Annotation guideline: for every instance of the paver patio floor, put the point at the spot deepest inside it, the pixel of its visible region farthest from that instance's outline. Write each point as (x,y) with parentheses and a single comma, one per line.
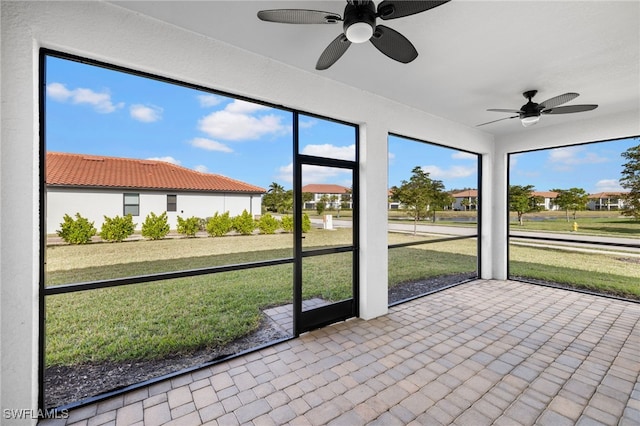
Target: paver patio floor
(485,352)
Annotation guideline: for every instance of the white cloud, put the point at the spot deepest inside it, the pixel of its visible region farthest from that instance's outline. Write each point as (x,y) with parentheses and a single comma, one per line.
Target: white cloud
(464,156)
(232,126)
(453,172)
(144,113)
(101,102)
(563,158)
(201,168)
(209,100)
(605,185)
(243,107)
(315,174)
(236,122)
(167,159)
(331,151)
(209,145)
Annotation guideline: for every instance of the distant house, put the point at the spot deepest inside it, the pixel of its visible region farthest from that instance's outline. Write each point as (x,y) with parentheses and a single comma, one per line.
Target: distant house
(548,199)
(465,200)
(606,201)
(336,195)
(98,186)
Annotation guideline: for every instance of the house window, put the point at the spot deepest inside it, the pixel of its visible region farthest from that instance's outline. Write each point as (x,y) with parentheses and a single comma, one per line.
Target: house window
(172,203)
(132,204)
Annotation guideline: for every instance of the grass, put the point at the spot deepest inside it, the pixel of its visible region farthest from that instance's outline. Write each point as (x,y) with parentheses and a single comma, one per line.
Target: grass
(613,226)
(617,274)
(178,316)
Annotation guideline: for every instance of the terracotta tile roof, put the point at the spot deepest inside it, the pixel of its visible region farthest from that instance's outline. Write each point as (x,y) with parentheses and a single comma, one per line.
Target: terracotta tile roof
(610,194)
(80,170)
(322,188)
(466,193)
(545,194)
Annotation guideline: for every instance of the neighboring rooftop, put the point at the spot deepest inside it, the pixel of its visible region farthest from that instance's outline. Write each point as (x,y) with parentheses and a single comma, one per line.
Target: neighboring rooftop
(322,188)
(608,194)
(80,170)
(466,193)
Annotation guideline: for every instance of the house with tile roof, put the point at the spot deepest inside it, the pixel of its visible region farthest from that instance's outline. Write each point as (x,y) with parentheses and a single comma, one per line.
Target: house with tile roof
(337,193)
(465,200)
(547,199)
(612,200)
(98,186)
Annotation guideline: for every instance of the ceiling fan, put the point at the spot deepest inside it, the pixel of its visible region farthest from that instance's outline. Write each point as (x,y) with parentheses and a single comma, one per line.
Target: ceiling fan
(359,26)
(530,112)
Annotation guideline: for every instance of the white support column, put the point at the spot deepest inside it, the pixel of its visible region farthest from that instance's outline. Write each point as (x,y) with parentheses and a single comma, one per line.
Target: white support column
(19,217)
(373,222)
(499,216)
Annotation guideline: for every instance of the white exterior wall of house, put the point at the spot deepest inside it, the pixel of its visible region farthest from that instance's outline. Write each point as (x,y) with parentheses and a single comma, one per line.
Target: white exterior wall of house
(317,197)
(94,204)
(458,203)
(547,204)
(106,32)
(612,203)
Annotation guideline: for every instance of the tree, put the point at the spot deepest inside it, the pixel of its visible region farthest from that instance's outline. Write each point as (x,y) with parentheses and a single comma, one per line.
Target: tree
(345,199)
(571,199)
(332,201)
(322,204)
(417,194)
(274,199)
(522,200)
(630,180)
(441,199)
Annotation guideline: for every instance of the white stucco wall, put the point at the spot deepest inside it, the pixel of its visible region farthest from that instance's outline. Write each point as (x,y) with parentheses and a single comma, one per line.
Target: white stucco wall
(94,204)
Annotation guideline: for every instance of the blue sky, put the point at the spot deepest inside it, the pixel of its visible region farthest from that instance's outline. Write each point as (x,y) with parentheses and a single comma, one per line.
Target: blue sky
(92,110)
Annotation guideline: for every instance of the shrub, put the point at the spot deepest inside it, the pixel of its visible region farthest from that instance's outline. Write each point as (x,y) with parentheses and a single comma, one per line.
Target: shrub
(268,224)
(320,207)
(155,227)
(219,224)
(306,223)
(244,223)
(188,226)
(78,231)
(117,229)
(287,223)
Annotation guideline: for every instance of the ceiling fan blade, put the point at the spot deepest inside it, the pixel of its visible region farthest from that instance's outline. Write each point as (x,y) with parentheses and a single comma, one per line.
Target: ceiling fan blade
(393,44)
(299,16)
(400,8)
(558,100)
(495,121)
(333,52)
(569,109)
(513,111)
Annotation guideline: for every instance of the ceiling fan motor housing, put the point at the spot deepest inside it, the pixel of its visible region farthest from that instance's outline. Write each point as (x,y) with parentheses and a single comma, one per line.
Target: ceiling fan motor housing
(359,21)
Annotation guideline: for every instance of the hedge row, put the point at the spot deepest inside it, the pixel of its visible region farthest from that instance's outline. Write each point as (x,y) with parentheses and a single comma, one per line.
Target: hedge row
(154,227)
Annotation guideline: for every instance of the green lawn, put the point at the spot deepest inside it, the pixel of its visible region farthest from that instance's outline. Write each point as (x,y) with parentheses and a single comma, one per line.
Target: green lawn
(181,315)
(613,226)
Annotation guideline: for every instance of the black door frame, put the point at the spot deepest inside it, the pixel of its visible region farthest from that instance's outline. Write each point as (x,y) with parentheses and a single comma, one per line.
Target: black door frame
(318,317)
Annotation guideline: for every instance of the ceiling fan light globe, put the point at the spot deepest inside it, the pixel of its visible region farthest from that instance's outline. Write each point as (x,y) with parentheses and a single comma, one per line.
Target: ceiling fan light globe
(359,32)
(530,121)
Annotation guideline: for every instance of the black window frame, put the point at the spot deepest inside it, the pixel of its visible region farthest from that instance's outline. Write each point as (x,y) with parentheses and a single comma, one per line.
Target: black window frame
(45,291)
(127,206)
(172,206)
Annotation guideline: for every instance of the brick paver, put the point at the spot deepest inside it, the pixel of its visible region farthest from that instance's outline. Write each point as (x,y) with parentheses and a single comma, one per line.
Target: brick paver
(486,352)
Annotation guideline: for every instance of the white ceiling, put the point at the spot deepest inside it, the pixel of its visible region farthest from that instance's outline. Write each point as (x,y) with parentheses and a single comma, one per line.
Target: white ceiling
(473,55)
